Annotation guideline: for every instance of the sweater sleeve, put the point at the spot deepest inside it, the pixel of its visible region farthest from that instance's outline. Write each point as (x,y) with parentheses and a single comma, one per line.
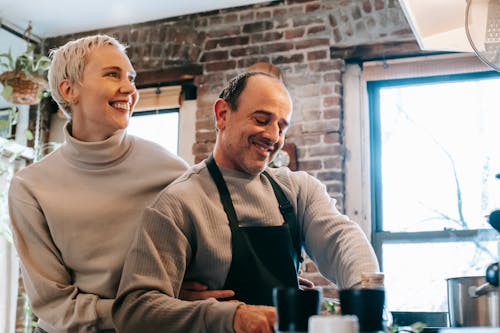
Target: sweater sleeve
(151,280)
(334,242)
(48,283)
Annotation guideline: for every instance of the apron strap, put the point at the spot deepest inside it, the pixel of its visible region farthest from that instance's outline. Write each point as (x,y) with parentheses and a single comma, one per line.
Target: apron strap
(285,206)
(288,213)
(223,192)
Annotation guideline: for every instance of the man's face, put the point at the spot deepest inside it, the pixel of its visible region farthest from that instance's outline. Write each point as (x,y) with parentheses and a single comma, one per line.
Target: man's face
(106,96)
(250,136)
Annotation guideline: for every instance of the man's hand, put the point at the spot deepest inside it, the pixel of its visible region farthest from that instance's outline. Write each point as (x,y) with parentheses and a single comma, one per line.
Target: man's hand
(305,283)
(195,291)
(254,319)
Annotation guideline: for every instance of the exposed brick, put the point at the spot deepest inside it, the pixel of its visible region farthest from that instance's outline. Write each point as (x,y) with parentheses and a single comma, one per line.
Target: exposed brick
(277,47)
(331,114)
(331,101)
(214,56)
(247,16)
(337,37)
(263,15)
(202,148)
(245,51)
(308,90)
(231,18)
(367,8)
(223,42)
(299,57)
(294,33)
(224,32)
(257,26)
(392,4)
(332,77)
(267,37)
(325,150)
(204,124)
(312,7)
(315,29)
(313,42)
(302,20)
(291,2)
(317,55)
(205,136)
(246,62)
(310,165)
(330,175)
(321,126)
(335,162)
(307,140)
(156,51)
(332,138)
(333,20)
(402,32)
(335,188)
(379,4)
(323,66)
(215,20)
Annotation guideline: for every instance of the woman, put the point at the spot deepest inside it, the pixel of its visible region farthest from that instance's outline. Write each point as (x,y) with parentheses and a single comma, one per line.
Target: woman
(75,212)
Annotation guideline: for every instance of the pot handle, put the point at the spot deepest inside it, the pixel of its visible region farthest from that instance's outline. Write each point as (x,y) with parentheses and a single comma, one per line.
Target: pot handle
(481,290)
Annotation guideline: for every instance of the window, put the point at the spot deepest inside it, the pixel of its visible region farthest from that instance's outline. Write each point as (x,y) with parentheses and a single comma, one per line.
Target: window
(434,156)
(160,126)
(162,115)
(407,122)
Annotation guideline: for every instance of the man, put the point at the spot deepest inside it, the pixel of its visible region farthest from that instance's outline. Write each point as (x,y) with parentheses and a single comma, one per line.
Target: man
(232,223)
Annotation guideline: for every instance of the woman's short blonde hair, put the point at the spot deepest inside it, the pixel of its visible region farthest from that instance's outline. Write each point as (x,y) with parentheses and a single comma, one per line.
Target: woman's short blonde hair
(68,63)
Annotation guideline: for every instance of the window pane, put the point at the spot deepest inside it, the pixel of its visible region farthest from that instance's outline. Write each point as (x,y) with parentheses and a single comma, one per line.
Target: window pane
(439,155)
(415,274)
(162,128)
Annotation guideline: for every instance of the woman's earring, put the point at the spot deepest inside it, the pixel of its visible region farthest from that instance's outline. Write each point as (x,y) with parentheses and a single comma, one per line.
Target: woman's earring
(74,101)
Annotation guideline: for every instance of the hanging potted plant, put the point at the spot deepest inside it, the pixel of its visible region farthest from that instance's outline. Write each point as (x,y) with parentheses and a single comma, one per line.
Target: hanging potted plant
(22,81)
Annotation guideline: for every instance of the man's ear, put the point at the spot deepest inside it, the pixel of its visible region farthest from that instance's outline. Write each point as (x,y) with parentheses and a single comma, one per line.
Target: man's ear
(221,110)
(68,91)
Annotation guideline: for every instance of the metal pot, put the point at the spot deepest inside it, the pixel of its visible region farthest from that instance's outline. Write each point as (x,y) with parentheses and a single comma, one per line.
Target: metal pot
(472,302)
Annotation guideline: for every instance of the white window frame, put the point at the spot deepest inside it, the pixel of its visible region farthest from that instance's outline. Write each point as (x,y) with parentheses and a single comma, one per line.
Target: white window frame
(356,118)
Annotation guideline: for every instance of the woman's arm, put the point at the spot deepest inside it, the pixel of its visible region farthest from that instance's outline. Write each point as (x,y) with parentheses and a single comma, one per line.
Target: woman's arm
(54,298)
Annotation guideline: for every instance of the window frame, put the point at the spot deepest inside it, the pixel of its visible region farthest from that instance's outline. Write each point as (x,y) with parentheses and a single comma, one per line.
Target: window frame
(380,236)
(357,135)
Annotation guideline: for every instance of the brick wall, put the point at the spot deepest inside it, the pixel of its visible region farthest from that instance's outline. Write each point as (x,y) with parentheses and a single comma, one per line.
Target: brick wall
(294,35)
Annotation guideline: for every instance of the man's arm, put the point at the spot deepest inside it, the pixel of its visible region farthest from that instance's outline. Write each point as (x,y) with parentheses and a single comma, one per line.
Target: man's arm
(151,281)
(334,242)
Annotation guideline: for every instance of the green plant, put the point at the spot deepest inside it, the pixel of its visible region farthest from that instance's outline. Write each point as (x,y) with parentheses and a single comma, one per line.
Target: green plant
(26,66)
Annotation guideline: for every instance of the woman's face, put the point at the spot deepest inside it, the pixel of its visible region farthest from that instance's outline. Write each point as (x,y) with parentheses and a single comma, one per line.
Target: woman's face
(105,98)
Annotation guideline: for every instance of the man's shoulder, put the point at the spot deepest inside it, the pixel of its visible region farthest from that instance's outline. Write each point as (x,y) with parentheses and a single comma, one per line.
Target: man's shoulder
(285,175)
(194,177)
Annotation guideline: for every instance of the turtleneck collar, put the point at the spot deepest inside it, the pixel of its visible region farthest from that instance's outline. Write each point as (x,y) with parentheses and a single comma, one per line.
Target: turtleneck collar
(95,155)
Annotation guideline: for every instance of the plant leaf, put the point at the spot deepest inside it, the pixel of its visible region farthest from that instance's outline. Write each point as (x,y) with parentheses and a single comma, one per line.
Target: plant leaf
(28,134)
(7,92)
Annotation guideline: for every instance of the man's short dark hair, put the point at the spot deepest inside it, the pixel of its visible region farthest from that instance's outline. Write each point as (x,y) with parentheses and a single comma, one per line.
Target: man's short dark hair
(235,87)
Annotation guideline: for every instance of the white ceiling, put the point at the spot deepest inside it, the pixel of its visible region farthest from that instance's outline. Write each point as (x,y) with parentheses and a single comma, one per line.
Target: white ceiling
(51,18)
(438,25)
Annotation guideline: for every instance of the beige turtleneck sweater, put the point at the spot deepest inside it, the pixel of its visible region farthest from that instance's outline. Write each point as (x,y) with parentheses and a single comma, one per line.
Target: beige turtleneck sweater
(74,215)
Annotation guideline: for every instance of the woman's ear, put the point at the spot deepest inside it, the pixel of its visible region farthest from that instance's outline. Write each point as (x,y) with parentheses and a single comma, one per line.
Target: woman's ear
(68,91)
(221,110)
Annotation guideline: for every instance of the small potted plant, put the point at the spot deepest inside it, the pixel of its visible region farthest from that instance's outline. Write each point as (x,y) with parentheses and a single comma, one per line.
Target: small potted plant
(22,81)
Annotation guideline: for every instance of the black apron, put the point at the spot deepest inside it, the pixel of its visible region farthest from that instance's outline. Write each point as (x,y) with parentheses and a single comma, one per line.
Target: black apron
(262,257)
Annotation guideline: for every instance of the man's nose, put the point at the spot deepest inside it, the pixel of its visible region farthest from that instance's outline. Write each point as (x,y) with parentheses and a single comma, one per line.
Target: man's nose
(273,133)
